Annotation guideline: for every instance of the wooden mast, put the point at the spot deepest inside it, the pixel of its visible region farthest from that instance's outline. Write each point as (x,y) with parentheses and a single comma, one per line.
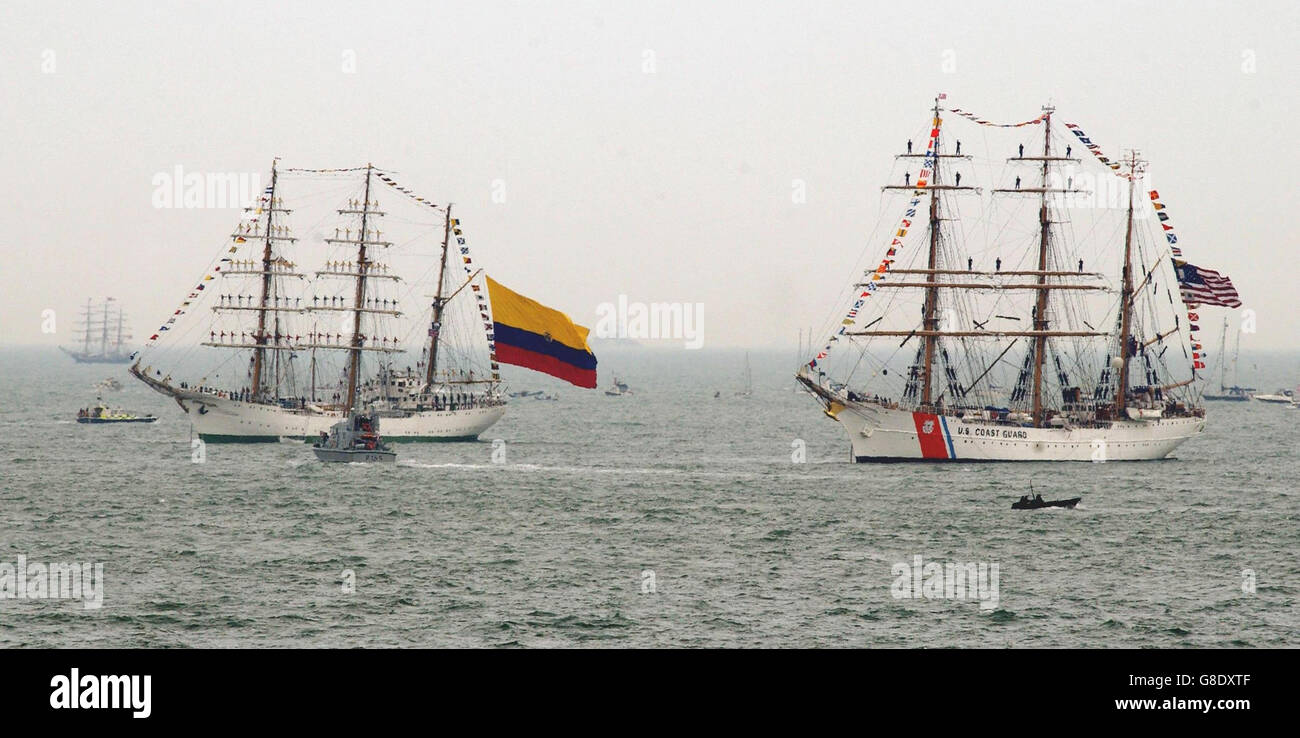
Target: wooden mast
(1126,296)
(259,353)
(930,322)
(354,365)
(1040,309)
(436,326)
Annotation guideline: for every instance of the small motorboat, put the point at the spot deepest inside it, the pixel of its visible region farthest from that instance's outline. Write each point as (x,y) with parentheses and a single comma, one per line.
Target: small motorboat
(620,389)
(355,440)
(1034,501)
(1037,502)
(101,413)
(1281,397)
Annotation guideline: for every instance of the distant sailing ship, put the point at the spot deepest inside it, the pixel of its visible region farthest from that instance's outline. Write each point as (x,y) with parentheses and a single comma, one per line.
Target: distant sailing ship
(942,337)
(1235,393)
(277,315)
(103,334)
(749,380)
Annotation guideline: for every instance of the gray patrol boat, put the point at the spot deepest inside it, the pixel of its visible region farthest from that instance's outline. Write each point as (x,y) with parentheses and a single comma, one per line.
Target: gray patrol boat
(355,439)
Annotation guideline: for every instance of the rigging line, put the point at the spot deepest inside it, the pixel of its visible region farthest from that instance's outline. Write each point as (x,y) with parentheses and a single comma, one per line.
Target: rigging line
(338,170)
(837,310)
(885,310)
(861,262)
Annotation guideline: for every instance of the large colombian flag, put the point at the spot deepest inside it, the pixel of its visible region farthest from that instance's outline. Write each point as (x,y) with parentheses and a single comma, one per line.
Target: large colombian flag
(529,334)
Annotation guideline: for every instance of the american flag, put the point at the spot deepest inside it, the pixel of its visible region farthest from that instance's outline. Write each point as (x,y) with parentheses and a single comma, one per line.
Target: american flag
(1201,286)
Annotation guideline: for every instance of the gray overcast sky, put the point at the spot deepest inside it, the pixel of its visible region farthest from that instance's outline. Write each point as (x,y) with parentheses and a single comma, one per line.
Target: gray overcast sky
(670,186)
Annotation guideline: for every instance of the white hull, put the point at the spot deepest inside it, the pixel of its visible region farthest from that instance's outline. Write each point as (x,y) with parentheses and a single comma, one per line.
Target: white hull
(884,434)
(220,419)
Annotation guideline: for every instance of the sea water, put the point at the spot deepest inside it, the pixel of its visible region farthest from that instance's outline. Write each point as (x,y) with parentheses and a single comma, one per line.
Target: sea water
(668,517)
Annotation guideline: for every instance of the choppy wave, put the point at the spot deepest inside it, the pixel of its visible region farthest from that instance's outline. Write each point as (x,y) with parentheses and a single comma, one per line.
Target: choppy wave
(640,522)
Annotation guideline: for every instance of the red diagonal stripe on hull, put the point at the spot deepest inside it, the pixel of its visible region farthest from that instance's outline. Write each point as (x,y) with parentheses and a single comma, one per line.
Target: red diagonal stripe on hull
(932,444)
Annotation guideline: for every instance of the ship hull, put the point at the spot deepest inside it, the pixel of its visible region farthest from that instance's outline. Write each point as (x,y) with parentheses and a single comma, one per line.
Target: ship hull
(880,434)
(353,456)
(222,420)
(83,358)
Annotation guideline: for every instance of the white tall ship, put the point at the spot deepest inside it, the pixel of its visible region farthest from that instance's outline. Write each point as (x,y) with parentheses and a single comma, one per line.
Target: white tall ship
(304,347)
(1024,356)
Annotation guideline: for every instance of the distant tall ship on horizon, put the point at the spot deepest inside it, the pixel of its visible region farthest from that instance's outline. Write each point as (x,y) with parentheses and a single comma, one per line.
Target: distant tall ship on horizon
(103,334)
(1100,364)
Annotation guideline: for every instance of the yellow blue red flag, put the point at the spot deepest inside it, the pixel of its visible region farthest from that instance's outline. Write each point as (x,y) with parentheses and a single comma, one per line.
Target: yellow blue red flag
(531,335)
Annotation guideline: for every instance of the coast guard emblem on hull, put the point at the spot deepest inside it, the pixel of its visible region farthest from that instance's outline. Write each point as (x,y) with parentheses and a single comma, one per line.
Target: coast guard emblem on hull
(927,427)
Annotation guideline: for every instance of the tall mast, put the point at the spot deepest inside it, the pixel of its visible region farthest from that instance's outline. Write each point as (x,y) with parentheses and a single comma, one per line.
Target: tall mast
(103,341)
(930,322)
(354,366)
(1223,360)
(259,352)
(436,327)
(89,314)
(1236,354)
(1040,308)
(1126,296)
(118,347)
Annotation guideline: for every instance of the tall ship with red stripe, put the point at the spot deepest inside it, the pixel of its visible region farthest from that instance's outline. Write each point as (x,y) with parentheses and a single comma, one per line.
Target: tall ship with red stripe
(1032,304)
(273,350)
